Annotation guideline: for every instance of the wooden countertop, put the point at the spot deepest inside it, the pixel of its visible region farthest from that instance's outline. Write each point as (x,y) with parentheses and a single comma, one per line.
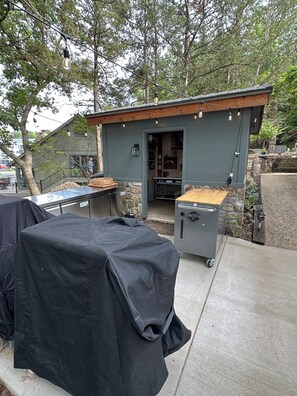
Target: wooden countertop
(204,196)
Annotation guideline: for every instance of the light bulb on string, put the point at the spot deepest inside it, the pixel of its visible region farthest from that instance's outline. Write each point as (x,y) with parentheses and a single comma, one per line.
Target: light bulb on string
(238,112)
(157,121)
(195,116)
(35,120)
(66,56)
(156,98)
(200,114)
(124,125)
(230,115)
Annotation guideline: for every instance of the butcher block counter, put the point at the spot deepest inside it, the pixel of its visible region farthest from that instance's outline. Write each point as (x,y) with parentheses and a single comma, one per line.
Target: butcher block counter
(204,196)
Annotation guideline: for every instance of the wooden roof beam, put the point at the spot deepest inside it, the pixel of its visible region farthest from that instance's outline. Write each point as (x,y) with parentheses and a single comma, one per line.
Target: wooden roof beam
(178,109)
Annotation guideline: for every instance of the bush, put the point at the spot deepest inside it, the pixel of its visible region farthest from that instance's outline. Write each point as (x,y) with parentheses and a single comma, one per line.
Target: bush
(251,196)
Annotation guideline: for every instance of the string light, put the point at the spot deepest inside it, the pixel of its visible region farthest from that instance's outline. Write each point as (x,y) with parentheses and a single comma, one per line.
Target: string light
(124,125)
(238,112)
(77,42)
(200,114)
(157,121)
(156,98)
(195,116)
(66,54)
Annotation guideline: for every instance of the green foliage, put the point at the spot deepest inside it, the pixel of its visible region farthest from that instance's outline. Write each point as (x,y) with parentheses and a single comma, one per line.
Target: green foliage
(80,126)
(268,131)
(251,196)
(286,91)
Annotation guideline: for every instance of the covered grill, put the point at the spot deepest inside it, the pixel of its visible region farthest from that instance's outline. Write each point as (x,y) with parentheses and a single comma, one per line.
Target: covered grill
(100,295)
(15,215)
(199,222)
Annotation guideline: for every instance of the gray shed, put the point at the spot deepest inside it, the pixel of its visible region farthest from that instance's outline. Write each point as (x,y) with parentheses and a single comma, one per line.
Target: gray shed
(160,151)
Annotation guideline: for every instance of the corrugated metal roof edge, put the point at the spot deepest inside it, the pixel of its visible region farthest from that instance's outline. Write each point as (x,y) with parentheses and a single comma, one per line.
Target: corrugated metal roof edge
(201,98)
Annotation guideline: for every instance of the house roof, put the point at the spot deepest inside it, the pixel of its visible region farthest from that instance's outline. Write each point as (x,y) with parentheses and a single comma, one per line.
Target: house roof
(44,139)
(236,99)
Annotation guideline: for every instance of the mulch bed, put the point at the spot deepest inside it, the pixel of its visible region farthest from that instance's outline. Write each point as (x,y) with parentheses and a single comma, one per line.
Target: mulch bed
(3,390)
(161,228)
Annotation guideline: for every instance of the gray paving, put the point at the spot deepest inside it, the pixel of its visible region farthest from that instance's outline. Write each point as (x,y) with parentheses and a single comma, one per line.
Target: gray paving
(246,340)
(279,197)
(243,317)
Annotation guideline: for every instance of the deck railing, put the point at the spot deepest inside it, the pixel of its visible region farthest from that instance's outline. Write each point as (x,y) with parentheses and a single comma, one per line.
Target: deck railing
(61,175)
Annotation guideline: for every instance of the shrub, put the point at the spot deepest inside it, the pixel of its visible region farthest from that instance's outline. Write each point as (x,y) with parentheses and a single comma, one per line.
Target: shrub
(251,196)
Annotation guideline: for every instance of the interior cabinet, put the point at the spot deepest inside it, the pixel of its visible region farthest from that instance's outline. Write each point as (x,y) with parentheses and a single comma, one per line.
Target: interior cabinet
(167,188)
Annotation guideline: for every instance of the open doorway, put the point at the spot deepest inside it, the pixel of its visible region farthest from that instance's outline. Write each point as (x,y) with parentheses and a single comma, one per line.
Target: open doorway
(164,173)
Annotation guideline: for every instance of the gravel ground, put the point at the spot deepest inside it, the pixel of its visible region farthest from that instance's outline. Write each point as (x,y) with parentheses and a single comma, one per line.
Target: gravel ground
(279,198)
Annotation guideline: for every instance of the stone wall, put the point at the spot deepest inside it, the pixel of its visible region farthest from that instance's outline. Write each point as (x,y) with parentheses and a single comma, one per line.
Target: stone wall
(232,209)
(286,162)
(133,198)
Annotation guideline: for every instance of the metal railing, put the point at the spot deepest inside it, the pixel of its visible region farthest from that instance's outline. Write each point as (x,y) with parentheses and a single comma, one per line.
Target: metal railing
(61,175)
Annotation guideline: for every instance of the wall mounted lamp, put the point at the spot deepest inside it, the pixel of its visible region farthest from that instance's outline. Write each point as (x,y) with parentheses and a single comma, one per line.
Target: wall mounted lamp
(134,150)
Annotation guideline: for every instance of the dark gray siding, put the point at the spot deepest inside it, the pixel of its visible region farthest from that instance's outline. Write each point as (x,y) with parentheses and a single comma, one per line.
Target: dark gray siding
(117,145)
(208,151)
(209,147)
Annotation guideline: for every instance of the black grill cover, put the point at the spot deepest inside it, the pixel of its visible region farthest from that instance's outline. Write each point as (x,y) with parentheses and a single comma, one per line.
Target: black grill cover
(15,214)
(94,305)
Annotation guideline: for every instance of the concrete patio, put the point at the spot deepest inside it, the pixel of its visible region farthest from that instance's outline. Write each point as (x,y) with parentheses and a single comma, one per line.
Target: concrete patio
(243,317)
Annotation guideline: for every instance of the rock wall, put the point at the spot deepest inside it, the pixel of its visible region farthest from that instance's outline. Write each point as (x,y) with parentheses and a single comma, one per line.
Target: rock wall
(133,198)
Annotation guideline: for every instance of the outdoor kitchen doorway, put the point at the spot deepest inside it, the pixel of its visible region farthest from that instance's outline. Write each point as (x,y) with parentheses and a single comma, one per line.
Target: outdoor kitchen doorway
(164,173)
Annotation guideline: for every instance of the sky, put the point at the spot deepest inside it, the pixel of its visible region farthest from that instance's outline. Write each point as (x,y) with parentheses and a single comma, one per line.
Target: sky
(47,120)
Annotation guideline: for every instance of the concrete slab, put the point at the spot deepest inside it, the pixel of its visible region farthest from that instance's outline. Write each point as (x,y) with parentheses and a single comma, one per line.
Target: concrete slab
(246,341)
(243,317)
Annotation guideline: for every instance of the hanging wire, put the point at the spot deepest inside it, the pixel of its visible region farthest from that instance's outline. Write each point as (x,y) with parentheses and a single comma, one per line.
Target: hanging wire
(47,118)
(66,37)
(236,152)
(84,45)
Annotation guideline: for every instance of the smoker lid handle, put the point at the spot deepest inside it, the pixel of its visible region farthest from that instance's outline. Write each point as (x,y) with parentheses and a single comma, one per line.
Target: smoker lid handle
(200,208)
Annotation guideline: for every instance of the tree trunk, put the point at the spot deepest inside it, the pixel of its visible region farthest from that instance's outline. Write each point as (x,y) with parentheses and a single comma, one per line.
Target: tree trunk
(186,54)
(96,109)
(28,161)
(28,173)
(96,92)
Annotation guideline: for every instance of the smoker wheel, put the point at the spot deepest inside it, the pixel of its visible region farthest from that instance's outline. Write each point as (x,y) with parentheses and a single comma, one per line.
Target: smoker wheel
(210,262)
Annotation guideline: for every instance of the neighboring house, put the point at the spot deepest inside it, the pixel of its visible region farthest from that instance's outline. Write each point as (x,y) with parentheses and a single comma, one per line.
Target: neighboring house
(160,151)
(61,156)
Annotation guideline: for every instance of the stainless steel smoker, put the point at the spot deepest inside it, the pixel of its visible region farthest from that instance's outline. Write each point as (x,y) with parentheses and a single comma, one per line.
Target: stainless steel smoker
(200,222)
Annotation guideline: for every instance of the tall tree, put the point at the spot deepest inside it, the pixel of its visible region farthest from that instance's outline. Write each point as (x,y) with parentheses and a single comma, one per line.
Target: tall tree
(32,72)
(98,30)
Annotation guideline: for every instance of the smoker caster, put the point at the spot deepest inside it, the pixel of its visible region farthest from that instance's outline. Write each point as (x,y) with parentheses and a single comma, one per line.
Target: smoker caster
(210,262)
